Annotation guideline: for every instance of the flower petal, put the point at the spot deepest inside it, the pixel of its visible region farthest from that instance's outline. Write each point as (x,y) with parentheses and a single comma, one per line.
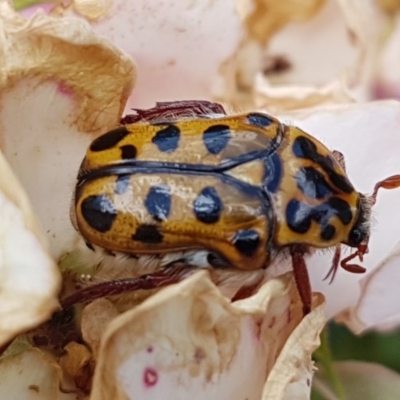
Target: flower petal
(293,371)
(378,306)
(59,84)
(30,279)
(188,341)
(183,50)
(32,375)
(340,75)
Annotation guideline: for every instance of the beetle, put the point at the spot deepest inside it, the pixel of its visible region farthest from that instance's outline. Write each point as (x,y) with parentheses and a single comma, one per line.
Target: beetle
(224,192)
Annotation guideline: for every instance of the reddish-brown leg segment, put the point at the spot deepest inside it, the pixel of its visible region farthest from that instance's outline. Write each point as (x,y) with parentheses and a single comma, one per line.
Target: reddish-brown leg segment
(302,279)
(171,110)
(246,291)
(155,280)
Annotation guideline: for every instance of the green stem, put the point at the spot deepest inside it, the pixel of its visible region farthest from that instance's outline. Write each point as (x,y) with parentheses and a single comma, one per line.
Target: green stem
(324,356)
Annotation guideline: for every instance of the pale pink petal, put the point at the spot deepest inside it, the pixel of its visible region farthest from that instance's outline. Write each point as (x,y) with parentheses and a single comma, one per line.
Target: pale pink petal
(60,86)
(29,11)
(387,79)
(182,49)
(378,306)
(188,341)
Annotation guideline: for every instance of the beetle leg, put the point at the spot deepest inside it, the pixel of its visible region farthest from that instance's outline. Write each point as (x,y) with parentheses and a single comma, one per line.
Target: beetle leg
(155,280)
(302,279)
(339,157)
(354,268)
(246,291)
(171,110)
(392,182)
(335,264)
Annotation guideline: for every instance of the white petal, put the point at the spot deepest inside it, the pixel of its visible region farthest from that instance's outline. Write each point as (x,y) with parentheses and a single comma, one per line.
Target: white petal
(31,375)
(188,341)
(331,58)
(59,84)
(292,374)
(30,279)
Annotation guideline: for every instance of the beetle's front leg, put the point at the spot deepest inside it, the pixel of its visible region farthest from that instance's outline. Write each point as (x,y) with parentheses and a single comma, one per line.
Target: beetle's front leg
(302,279)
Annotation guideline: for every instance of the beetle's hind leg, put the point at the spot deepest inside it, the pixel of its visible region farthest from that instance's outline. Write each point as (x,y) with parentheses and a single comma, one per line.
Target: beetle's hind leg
(151,281)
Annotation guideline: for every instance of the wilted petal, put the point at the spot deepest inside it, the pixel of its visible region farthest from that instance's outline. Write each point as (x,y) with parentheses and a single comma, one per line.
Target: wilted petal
(29,278)
(293,371)
(32,375)
(362,380)
(369,138)
(330,57)
(95,317)
(59,84)
(188,341)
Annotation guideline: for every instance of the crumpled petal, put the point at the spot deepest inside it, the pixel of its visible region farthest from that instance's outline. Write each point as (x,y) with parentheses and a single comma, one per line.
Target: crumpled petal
(369,137)
(190,341)
(362,380)
(32,375)
(30,280)
(60,85)
(291,377)
(316,74)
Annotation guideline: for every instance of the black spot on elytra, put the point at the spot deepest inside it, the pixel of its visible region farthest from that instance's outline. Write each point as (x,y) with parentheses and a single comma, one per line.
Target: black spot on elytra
(167,139)
(109,139)
(128,152)
(207,206)
(300,215)
(258,119)
(305,148)
(158,202)
(312,183)
(273,173)
(247,241)
(122,184)
(148,234)
(99,212)
(216,138)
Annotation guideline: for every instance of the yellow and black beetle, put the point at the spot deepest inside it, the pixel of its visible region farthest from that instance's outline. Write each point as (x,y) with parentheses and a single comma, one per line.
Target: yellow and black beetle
(185,176)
